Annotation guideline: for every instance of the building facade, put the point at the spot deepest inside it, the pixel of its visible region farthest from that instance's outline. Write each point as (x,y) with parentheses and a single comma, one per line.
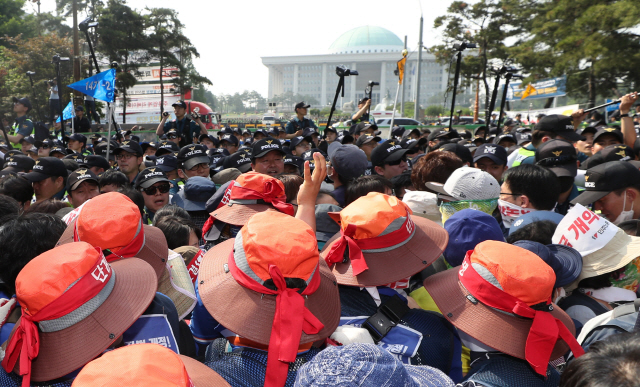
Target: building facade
(373,52)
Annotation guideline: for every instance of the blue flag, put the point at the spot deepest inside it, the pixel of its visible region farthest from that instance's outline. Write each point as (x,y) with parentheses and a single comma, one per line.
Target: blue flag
(99,86)
(68,112)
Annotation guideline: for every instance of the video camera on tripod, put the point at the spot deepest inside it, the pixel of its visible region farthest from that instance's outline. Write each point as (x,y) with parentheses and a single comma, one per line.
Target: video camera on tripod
(343,71)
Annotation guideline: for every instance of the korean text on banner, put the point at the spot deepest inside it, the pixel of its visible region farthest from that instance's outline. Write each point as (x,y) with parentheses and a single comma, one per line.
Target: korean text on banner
(68,112)
(584,231)
(100,86)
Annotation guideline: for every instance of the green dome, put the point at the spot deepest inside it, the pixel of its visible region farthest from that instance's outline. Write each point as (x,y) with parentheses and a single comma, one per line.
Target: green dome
(366,39)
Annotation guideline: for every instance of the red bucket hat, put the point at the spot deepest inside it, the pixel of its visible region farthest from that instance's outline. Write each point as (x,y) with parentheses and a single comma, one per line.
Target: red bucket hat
(505,303)
(147,365)
(249,194)
(74,306)
(113,222)
(380,242)
(271,288)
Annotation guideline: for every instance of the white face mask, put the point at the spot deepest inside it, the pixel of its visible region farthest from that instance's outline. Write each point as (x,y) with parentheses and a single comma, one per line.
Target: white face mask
(510,212)
(624,215)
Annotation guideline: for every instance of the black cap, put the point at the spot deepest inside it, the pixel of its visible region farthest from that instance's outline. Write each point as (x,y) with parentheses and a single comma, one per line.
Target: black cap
(510,122)
(96,161)
(28,139)
(619,152)
(294,160)
(302,105)
(559,156)
(172,133)
(168,163)
(411,143)
(59,149)
(522,137)
(239,160)
(367,138)
(494,152)
(149,177)
(262,147)
(216,155)
(78,137)
(330,129)
(602,179)
(297,140)
(13,152)
(18,164)
(214,140)
(560,125)
(101,150)
(77,157)
(167,147)
(397,131)
(388,151)
(612,131)
(179,103)
(192,155)
(361,127)
(47,167)
(131,147)
(230,138)
(24,101)
(459,150)
(441,133)
(78,176)
(147,145)
(506,136)
(260,131)
(309,132)
(468,144)
(363,100)
(79,108)
(479,128)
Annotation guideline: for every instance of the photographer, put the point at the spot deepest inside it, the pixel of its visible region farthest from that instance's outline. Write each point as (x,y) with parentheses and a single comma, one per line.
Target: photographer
(298,124)
(184,125)
(54,99)
(361,115)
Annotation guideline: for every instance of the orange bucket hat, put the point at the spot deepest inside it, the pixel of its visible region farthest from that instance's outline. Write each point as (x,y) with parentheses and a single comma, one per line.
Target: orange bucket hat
(271,288)
(113,222)
(505,303)
(147,365)
(75,304)
(250,193)
(380,242)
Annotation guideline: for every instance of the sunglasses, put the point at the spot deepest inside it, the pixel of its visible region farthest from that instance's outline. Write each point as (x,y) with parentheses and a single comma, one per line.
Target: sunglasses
(397,162)
(172,137)
(163,188)
(45,147)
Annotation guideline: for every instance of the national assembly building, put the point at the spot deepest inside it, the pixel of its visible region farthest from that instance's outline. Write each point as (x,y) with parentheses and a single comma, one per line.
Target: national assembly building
(373,52)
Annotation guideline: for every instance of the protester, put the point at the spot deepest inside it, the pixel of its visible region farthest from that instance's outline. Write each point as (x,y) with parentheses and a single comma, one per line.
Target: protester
(193,198)
(434,167)
(362,185)
(112,181)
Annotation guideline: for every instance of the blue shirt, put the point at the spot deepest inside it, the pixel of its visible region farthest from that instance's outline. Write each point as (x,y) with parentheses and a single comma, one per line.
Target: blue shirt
(185,129)
(295,124)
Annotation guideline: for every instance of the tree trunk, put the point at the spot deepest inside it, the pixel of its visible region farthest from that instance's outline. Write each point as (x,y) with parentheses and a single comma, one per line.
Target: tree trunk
(592,88)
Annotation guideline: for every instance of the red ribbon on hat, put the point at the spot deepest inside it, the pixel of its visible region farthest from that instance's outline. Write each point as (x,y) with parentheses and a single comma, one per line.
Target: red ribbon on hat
(356,246)
(269,196)
(129,251)
(24,345)
(291,318)
(545,330)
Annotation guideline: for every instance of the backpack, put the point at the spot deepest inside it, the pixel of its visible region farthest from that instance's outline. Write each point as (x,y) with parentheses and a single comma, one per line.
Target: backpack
(623,318)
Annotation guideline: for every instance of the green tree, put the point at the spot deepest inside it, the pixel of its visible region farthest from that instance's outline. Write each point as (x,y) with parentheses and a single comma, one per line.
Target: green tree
(89,8)
(593,42)
(122,40)
(434,110)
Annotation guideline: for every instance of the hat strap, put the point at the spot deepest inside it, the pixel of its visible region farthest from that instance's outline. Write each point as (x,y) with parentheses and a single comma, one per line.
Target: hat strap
(291,318)
(269,196)
(24,344)
(385,242)
(545,330)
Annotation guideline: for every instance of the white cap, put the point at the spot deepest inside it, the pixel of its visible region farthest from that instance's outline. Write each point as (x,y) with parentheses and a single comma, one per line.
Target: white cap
(468,183)
(423,204)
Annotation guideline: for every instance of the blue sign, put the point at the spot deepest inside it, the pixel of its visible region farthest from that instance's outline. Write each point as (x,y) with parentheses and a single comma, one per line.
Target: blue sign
(546,88)
(611,108)
(151,328)
(100,86)
(68,112)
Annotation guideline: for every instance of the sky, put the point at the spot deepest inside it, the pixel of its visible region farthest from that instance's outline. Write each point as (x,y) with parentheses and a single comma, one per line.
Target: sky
(232,36)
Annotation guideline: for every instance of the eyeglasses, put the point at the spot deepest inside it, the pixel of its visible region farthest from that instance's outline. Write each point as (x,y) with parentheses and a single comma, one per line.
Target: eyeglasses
(199,167)
(397,162)
(510,194)
(163,188)
(124,156)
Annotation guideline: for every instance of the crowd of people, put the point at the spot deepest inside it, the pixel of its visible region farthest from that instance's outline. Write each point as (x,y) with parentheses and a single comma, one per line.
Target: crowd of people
(505,257)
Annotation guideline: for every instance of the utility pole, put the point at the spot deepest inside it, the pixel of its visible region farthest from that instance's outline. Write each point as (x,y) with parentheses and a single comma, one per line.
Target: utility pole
(402,98)
(417,105)
(76,54)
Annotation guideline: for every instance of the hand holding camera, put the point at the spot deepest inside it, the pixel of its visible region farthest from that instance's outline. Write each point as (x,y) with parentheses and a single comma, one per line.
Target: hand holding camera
(194,116)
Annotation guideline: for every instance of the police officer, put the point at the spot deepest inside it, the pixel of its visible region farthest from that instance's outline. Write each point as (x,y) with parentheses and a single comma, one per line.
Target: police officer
(296,126)
(22,127)
(182,124)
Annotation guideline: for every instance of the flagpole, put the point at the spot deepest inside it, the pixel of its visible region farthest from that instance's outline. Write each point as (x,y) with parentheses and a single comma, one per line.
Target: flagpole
(108,131)
(393,115)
